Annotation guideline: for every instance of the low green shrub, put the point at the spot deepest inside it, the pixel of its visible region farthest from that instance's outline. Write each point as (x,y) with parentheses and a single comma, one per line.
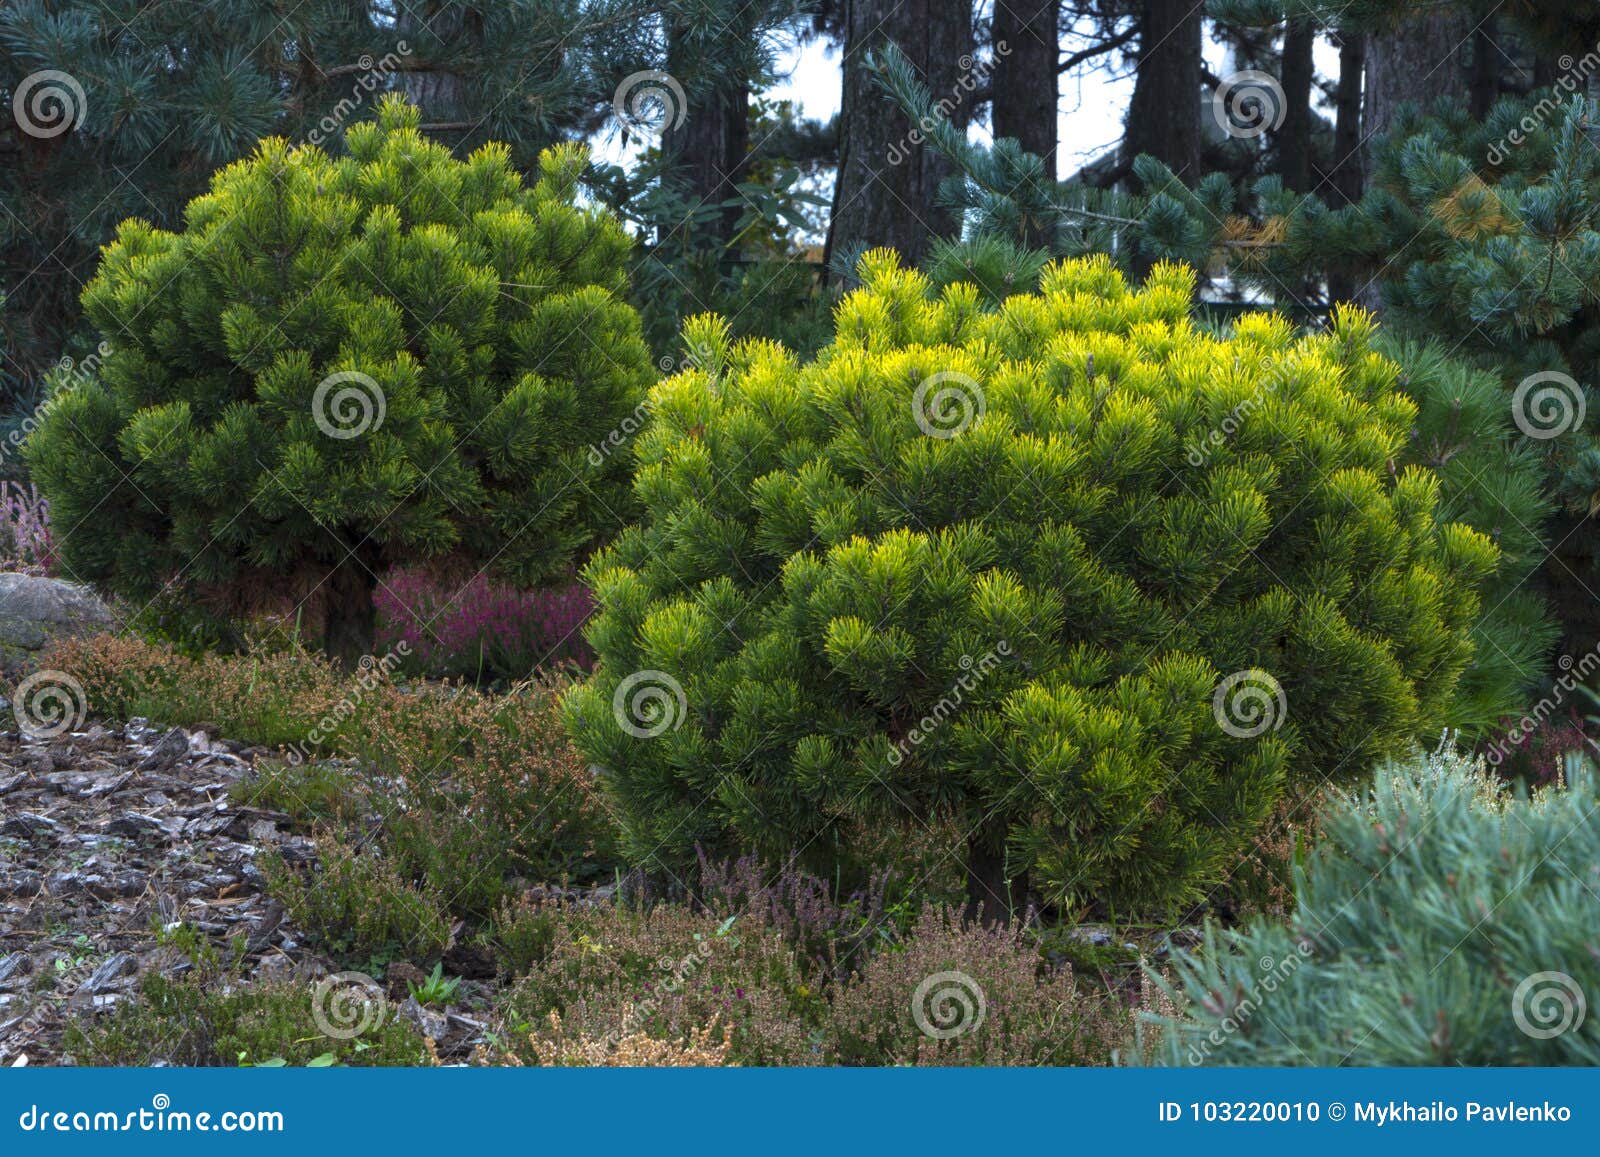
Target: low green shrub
(308,793)
(1067,572)
(356,905)
(1440,921)
(182,1021)
(343,363)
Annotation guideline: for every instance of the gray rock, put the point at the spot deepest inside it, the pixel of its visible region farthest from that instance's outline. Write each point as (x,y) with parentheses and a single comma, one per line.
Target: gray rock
(174,745)
(433,1025)
(16,965)
(112,969)
(28,826)
(34,611)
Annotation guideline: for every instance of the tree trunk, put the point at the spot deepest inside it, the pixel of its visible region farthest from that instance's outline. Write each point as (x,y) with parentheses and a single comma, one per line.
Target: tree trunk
(709,151)
(1293,137)
(1345,181)
(440,93)
(992,899)
(1348,173)
(888,180)
(1486,64)
(349,618)
(1025,86)
(1419,61)
(1164,114)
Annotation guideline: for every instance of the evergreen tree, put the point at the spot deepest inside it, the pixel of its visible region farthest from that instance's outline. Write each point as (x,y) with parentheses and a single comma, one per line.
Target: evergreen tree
(117,108)
(1068,573)
(344,363)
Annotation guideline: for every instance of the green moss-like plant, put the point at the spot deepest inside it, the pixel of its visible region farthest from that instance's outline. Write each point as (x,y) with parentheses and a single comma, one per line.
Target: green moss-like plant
(1069,572)
(343,363)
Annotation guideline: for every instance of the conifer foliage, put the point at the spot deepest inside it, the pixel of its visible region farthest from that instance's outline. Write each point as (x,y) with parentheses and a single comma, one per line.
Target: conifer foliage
(1441,921)
(342,363)
(1066,573)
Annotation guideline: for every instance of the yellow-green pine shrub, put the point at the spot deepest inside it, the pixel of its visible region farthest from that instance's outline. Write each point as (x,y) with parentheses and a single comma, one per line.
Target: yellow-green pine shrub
(1097,602)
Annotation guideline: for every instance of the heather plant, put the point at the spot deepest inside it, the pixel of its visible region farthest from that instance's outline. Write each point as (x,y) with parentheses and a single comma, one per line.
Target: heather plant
(830,934)
(1066,573)
(26,541)
(481,629)
(1441,920)
(271,698)
(1535,748)
(556,1046)
(611,972)
(343,364)
(949,993)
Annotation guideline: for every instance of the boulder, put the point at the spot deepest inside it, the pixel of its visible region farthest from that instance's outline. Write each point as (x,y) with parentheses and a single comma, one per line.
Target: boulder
(35,610)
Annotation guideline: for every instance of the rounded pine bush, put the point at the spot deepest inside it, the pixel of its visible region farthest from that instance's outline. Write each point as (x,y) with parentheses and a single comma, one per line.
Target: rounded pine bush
(344,363)
(1069,574)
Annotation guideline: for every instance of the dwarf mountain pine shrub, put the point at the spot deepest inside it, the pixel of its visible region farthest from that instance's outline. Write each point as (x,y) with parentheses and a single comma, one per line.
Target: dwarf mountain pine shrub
(344,363)
(1441,921)
(1070,570)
